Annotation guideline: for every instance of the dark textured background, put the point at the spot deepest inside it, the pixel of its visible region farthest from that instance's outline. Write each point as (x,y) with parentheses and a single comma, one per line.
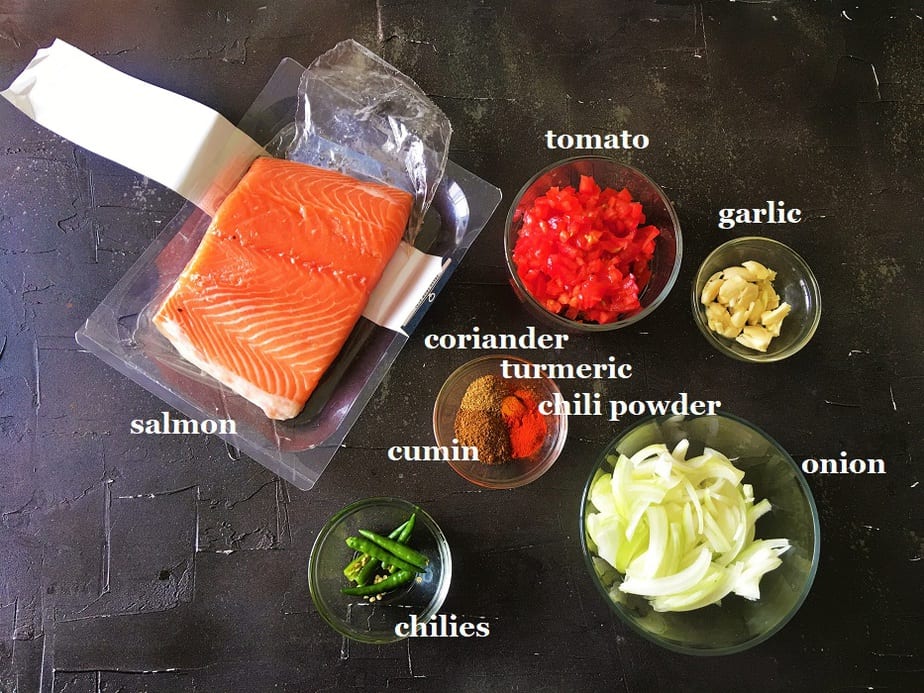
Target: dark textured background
(168,565)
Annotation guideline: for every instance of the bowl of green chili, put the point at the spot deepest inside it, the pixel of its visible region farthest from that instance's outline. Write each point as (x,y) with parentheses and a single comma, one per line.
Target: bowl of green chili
(378,567)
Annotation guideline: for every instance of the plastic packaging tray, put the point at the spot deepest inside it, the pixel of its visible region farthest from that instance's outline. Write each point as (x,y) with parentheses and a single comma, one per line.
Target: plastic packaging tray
(120,333)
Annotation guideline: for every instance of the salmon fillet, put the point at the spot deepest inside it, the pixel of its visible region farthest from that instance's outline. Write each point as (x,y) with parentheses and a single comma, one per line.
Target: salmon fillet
(280,278)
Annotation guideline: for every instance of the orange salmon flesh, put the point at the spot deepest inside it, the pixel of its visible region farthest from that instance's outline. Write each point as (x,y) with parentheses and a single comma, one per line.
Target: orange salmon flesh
(280,278)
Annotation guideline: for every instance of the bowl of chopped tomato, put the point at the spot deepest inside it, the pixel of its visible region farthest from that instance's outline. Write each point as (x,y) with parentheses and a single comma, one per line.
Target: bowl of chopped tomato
(592,244)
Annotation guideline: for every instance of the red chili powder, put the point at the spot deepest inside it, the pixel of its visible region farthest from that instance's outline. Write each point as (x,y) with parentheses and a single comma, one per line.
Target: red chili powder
(526,425)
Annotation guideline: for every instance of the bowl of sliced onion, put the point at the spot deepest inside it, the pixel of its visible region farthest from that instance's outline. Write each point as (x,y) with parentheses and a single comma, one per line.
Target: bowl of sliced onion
(700,532)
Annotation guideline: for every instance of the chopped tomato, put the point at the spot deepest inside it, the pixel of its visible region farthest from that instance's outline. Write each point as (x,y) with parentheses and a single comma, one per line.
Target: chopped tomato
(584,254)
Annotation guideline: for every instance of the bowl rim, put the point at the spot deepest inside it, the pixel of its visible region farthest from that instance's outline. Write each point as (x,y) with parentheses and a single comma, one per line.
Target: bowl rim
(721,344)
(554,452)
(573,325)
(651,637)
(334,520)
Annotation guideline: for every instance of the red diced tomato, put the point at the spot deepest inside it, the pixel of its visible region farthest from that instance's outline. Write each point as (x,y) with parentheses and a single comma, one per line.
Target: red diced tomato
(583,253)
(588,187)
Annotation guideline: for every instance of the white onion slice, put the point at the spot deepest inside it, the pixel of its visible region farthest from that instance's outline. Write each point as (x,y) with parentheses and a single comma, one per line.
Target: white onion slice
(681,531)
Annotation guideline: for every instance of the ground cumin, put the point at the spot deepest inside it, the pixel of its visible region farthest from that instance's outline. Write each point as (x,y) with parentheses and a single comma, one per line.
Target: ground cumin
(502,421)
(487,432)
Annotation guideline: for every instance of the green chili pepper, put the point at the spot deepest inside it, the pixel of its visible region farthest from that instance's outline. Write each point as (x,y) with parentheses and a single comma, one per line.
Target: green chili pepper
(391,582)
(367,570)
(355,567)
(377,551)
(404,536)
(405,553)
(406,530)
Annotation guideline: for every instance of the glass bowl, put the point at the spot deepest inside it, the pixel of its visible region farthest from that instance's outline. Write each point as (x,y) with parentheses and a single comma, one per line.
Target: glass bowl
(607,172)
(356,617)
(737,624)
(512,473)
(795,284)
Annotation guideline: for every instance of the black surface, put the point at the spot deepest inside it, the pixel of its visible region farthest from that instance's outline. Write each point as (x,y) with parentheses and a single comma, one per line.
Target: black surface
(165,564)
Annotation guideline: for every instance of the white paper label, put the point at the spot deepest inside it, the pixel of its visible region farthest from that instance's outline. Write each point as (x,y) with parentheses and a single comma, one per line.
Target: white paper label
(181,144)
(405,284)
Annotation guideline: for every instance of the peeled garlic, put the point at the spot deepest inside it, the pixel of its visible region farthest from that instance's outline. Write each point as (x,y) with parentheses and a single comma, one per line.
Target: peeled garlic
(758,270)
(741,304)
(755,337)
(771,317)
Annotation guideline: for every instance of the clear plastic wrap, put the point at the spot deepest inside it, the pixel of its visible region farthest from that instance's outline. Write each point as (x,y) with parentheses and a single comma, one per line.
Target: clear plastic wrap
(358,115)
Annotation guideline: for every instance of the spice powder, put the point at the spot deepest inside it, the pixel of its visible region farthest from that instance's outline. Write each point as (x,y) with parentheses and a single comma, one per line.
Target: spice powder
(501,421)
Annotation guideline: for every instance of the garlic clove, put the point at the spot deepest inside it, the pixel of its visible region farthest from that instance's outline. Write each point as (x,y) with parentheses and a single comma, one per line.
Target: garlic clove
(711,290)
(742,272)
(755,337)
(771,317)
(740,317)
(730,289)
(757,270)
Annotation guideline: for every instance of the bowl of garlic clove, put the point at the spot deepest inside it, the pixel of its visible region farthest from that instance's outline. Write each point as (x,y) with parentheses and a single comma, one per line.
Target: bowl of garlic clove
(755,299)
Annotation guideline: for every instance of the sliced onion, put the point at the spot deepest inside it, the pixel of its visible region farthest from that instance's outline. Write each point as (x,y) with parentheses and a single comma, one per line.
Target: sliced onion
(681,531)
(680,582)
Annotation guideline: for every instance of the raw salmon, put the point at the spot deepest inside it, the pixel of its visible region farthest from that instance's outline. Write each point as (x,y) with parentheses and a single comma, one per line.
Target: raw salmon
(280,279)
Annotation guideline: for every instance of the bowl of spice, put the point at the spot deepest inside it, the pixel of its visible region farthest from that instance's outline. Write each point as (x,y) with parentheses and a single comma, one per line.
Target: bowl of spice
(592,245)
(502,430)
